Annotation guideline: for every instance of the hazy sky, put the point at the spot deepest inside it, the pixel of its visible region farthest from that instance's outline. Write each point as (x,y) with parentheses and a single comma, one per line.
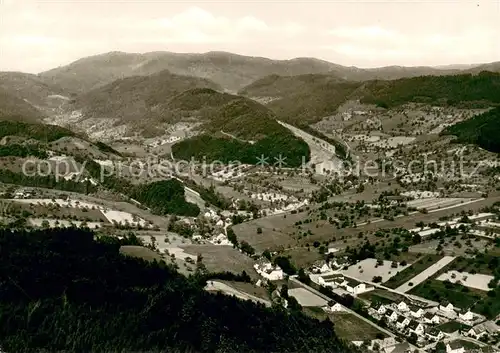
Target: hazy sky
(37,35)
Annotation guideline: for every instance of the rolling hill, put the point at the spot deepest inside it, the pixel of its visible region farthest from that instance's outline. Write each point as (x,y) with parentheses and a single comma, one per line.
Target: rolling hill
(16,109)
(138,99)
(33,90)
(302,99)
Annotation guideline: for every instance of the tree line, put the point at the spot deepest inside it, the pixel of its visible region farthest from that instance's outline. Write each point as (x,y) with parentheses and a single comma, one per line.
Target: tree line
(64,290)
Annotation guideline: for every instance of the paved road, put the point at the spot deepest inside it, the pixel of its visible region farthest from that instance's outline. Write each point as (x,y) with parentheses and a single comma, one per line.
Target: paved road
(422,276)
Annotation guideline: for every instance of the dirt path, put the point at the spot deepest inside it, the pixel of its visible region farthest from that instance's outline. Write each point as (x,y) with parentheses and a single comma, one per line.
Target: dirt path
(422,276)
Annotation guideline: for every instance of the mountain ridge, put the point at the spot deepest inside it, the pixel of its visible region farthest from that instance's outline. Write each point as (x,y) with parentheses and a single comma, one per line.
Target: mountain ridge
(229,70)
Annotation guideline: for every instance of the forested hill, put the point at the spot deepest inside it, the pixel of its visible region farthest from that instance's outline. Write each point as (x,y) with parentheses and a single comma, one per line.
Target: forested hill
(309,98)
(483,130)
(467,90)
(61,290)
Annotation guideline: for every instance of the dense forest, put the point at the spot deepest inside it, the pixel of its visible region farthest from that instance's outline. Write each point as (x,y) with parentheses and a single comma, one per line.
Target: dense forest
(16,150)
(479,90)
(208,148)
(62,290)
(40,132)
(49,182)
(483,130)
(165,197)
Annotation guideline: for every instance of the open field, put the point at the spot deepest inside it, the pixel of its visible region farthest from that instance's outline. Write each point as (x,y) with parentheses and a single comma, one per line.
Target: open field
(408,273)
(425,274)
(306,298)
(460,296)
(141,252)
(477,281)
(111,215)
(350,328)
(367,269)
(301,257)
(249,288)
(437,203)
(347,326)
(484,264)
(219,258)
(38,222)
(281,232)
(215,286)
(452,326)
(382,296)
(450,248)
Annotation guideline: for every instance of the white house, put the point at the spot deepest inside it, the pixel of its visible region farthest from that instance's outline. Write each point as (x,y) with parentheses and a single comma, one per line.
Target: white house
(416,311)
(447,307)
(455,347)
(403,347)
(430,318)
(269,271)
(355,287)
(402,322)
(391,315)
(333,307)
(434,334)
(403,307)
(379,308)
(384,343)
(320,267)
(467,317)
(334,281)
(486,328)
(416,328)
(338,263)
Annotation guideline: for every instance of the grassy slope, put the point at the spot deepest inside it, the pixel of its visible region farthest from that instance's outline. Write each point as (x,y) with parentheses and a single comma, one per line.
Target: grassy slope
(16,109)
(30,87)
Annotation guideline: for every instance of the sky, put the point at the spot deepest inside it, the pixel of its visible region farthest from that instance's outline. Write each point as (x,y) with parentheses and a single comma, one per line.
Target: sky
(37,35)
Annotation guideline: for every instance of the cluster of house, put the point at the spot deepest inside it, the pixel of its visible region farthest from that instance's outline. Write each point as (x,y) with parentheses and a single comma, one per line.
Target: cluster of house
(412,319)
(268,270)
(338,280)
(220,222)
